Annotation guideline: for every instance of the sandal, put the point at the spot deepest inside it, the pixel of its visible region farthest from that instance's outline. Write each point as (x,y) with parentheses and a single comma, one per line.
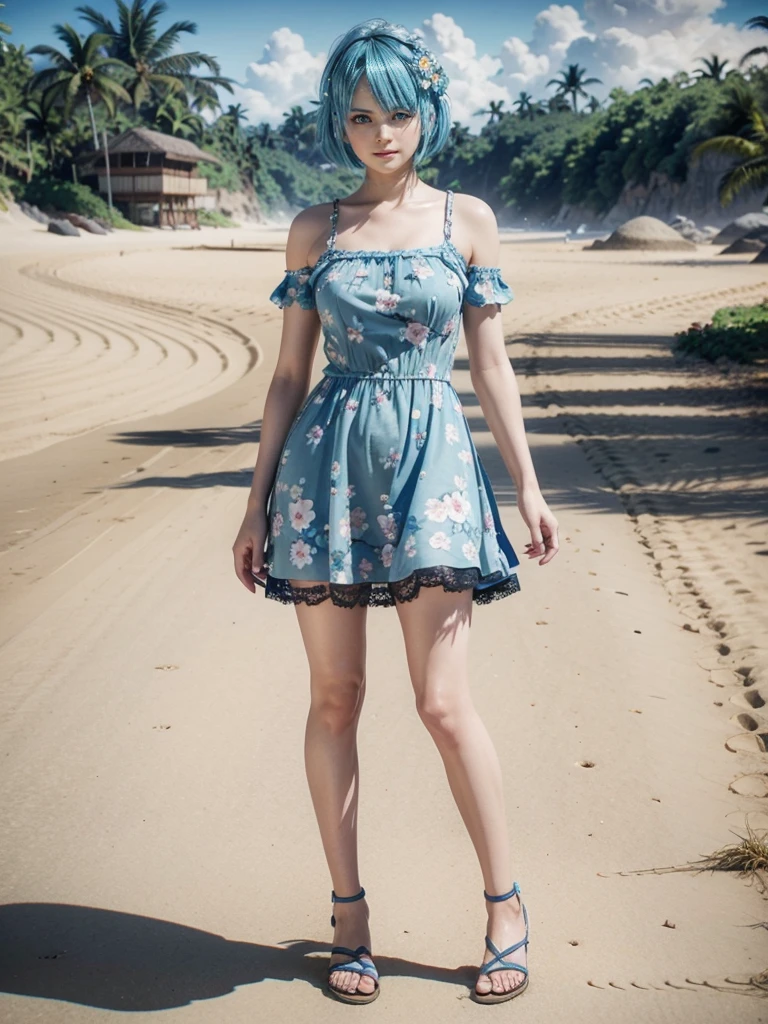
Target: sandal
(361,962)
(498,963)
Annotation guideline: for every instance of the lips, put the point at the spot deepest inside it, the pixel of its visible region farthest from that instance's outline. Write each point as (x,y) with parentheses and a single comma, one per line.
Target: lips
(386,152)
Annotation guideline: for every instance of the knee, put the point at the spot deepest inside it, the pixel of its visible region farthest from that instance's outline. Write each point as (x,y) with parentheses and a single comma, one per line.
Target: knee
(336,704)
(443,715)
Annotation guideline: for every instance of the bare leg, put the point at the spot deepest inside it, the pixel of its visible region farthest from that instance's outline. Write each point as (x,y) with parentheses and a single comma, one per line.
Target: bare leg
(436,629)
(334,639)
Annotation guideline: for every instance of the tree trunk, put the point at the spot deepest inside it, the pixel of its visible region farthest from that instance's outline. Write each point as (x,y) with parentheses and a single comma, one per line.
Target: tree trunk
(93,119)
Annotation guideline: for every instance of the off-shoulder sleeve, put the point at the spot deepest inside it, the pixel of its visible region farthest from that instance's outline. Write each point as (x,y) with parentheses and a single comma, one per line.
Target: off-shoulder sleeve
(294,287)
(485,285)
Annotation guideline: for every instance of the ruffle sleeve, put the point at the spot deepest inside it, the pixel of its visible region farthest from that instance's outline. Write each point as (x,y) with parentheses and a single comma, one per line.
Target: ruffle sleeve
(485,285)
(294,287)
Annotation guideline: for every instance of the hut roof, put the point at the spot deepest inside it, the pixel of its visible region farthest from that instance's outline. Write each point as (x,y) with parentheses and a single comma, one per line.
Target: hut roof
(143,140)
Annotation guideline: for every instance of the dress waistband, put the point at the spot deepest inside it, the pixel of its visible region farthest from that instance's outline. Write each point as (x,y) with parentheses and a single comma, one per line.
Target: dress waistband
(332,371)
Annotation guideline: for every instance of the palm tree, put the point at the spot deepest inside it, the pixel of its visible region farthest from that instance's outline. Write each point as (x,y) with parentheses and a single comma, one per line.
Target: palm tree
(715,68)
(494,110)
(524,105)
(83,71)
(236,113)
(749,148)
(459,134)
(44,122)
(646,81)
(174,117)
(136,42)
(759,21)
(558,104)
(571,83)
(5,30)
(594,104)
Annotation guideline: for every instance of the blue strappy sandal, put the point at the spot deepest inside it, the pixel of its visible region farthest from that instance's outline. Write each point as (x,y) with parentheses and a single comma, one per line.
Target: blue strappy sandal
(361,962)
(498,963)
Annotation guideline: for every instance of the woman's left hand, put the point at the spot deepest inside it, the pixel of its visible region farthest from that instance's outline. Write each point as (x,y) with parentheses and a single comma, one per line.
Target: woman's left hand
(541,522)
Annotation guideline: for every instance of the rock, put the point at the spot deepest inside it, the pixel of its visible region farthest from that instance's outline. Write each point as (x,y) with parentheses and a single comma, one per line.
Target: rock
(62,227)
(34,213)
(85,223)
(740,227)
(644,233)
(743,245)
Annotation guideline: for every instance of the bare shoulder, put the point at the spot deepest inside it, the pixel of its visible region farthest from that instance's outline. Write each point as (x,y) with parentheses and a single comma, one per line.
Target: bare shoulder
(478,229)
(309,228)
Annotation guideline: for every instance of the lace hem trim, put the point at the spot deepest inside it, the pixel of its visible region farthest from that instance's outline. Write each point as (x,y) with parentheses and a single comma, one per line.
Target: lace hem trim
(385,594)
(485,286)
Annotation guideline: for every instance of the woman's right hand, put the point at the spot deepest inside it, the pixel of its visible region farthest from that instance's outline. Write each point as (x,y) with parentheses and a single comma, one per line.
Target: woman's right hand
(249,548)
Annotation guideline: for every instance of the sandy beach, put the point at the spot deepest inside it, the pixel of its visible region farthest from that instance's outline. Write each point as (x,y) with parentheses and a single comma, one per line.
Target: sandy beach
(159,846)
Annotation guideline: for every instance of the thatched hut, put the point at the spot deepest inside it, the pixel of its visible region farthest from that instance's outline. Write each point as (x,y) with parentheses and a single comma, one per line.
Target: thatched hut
(154,177)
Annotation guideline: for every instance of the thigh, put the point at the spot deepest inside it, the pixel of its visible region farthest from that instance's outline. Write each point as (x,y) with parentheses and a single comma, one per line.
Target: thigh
(436,627)
(334,640)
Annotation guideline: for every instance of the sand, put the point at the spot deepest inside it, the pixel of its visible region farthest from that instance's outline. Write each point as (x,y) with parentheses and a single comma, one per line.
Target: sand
(159,847)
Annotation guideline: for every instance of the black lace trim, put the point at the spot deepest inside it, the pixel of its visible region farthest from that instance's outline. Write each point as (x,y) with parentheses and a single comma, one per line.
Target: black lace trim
(385,594)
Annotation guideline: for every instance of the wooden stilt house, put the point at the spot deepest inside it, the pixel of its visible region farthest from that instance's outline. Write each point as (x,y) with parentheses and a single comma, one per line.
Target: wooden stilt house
(154,177)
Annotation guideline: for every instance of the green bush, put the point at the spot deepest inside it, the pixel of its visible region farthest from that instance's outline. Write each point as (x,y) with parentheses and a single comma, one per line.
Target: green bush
(739,333)
(52,195)
(215,219)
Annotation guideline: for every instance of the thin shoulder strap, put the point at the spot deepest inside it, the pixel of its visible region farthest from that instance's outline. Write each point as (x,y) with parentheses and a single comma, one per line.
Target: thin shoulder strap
(448,215)
(334,219)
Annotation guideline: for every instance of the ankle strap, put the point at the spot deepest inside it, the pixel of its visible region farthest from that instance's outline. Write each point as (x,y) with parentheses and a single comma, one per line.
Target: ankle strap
(347,899)
(514,891)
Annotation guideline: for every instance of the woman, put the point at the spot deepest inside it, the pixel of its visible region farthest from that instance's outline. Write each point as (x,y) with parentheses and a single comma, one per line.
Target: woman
(368,490)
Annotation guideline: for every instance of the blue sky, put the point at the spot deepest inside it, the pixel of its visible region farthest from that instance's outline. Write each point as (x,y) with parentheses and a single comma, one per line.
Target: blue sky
(490,49)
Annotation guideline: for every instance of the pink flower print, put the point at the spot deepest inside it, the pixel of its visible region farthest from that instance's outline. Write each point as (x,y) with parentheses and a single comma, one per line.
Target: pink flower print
(383,497)
(431,370)
(386,301)
(334,355)
(354,335)
(465,455)
(284,459)
(350,490)
(436,510)
(277,523)
(326,317)
(388,281)
(488,520)
(460,482)
(448,326)
(357,519)
(335,470)
(451,278)
(300,513)
(459,509)
(352,404)
(362,272)
(441,541)
(300,553)
(469,551)
(386,555)
(314,434)
(451,433)
(380,397)
(339,576)
(344,525)
(458,407)
(296,491)
(333,275)
(415,333)
(280,486)
(410,546)
(334,492)
(388,526)
(365,568)
(421,269)
(291,292)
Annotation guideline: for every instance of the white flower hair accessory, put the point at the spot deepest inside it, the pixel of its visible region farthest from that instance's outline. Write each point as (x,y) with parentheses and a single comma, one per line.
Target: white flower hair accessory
(425,62)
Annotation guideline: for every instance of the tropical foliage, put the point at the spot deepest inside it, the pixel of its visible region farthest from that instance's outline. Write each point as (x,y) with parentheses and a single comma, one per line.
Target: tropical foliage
(130,66)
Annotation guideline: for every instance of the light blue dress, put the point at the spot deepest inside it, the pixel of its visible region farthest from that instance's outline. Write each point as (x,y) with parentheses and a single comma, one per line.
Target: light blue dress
(379,489)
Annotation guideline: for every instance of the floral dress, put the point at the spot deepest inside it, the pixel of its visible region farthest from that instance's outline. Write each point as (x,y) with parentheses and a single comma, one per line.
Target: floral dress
(379,489)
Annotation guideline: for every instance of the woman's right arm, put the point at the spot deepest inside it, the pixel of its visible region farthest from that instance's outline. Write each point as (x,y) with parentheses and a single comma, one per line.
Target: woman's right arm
(287,391)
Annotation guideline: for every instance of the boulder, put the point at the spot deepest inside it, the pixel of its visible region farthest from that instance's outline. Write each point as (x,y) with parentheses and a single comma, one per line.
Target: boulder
(644,233)
(62,227)
(34,212)
(85,223)
(740,227)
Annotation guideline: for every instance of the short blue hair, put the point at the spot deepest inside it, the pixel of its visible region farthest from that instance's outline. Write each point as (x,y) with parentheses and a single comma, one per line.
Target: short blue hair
(380,51)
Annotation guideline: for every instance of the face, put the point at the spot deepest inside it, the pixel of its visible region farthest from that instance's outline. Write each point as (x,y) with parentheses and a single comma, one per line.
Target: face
(382,140)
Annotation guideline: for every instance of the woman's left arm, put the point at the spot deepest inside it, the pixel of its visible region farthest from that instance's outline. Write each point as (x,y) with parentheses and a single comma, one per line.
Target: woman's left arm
(495,385)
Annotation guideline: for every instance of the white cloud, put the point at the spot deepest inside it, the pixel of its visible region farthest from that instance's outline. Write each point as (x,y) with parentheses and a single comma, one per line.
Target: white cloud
(286,75)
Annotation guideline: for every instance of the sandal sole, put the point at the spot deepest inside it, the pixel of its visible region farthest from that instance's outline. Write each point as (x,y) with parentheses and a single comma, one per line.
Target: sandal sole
(500,997)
